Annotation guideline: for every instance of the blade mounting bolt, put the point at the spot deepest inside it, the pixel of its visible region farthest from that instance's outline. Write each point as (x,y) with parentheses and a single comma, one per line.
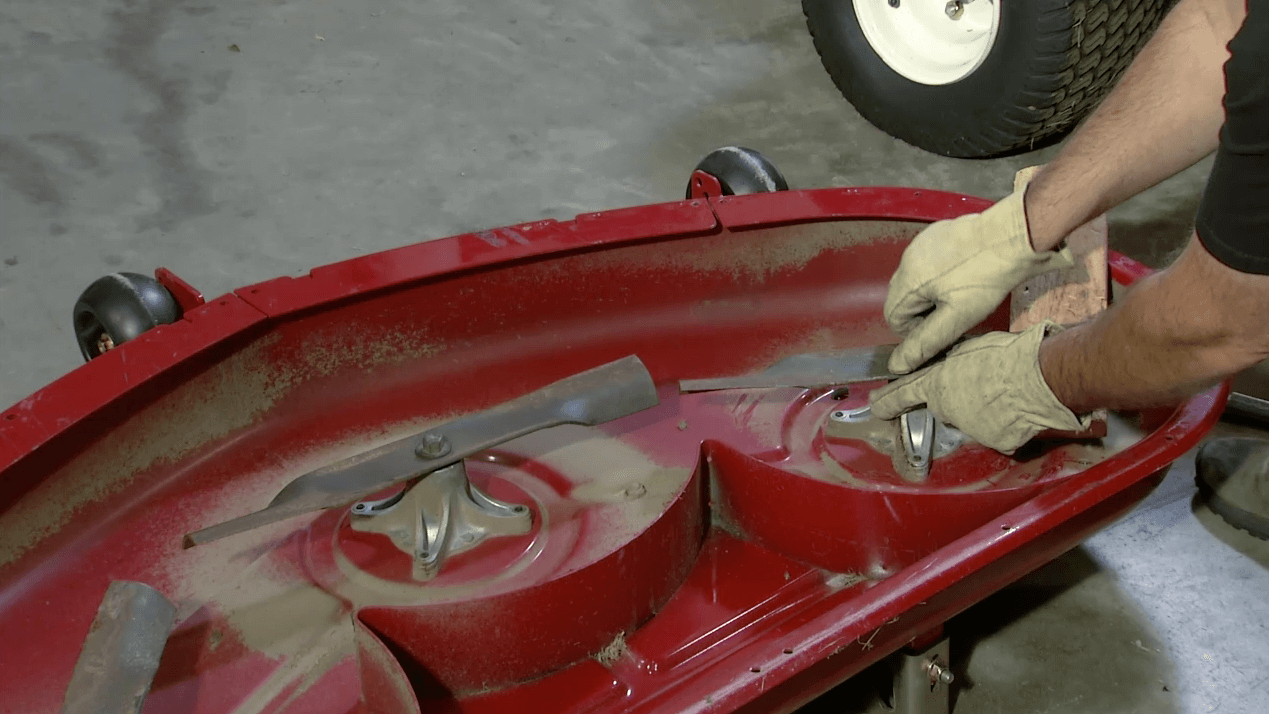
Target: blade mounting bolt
(432,446)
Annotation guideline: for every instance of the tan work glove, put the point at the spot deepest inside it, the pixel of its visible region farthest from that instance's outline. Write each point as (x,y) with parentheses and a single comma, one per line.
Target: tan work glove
(989,387)
(962,268)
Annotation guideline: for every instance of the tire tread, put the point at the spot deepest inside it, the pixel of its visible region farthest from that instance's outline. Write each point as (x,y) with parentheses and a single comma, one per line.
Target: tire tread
(1082,49)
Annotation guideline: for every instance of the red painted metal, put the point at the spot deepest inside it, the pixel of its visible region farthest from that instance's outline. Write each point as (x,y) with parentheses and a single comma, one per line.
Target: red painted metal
(787,207)
(703,185)
(764,593)
(384,686)
(37,432)
(187,296)
(410,264)
(1125,270)
(465,646)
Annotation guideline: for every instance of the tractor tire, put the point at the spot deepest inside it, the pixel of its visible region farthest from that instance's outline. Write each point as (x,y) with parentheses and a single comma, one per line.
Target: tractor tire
(982,78)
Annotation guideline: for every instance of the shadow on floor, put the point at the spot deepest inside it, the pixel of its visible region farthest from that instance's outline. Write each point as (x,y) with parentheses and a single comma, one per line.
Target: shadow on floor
(1255,549)
(1063,639)
(1255,382)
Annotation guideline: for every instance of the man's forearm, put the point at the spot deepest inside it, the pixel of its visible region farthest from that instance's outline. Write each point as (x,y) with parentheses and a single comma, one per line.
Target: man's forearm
(1177,332)
(1163,116)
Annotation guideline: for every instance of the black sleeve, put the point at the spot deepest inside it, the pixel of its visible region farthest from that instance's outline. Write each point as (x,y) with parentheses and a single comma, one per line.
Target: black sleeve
(1233,219)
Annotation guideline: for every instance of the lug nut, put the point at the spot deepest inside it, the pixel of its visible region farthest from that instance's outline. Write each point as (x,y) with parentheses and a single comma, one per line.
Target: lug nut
(433,446)
(894,3)
(954,9)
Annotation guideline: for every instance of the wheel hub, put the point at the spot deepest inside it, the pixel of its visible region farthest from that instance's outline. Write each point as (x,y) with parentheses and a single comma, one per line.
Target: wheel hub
(928,41)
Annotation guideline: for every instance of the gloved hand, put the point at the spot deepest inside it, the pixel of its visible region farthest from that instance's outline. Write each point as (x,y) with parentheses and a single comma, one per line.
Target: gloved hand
(963,268)
(989,387)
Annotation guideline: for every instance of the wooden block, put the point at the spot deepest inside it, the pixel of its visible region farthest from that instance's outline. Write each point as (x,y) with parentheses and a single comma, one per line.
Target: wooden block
(1070,296)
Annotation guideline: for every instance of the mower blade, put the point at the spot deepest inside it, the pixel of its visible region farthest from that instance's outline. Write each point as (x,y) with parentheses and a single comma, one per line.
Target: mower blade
(121,653)
(592,397)
(807,371)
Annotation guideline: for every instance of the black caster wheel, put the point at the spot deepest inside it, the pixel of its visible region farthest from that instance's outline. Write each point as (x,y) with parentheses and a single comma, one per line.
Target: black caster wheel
(738,171)
(116,308)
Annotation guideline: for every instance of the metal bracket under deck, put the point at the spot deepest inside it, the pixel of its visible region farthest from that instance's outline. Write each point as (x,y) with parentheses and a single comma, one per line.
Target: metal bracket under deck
(922,683)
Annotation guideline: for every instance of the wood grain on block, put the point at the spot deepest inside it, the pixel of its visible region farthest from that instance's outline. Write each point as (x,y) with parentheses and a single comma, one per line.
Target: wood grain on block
(1069,297)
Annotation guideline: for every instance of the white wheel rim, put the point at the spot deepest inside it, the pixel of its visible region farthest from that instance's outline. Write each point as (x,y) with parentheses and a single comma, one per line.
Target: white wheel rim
(921,41)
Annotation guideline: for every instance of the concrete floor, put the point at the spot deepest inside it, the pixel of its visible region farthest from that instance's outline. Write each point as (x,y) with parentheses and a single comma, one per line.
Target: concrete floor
(1164,612)
(236,141)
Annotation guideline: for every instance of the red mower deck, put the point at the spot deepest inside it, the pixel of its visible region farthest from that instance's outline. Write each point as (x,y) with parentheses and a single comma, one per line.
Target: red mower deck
(719,552)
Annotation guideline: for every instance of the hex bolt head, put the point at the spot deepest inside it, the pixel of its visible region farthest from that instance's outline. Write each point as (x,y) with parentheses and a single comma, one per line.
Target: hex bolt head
(894,3)
(432,446)
(939,673)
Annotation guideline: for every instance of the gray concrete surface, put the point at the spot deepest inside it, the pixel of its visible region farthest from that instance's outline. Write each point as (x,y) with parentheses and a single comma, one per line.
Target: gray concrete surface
(1163,612)
(236,141)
